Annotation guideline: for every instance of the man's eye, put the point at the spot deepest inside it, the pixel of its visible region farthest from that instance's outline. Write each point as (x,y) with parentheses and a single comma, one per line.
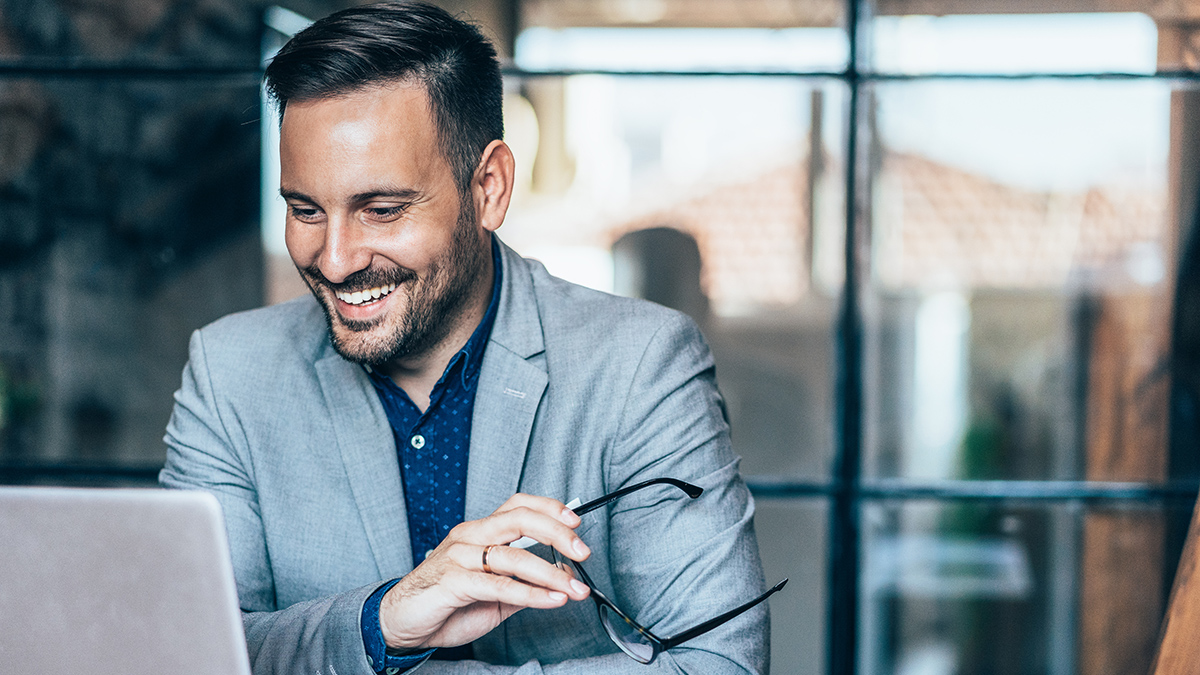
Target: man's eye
(386,212)
(306,214)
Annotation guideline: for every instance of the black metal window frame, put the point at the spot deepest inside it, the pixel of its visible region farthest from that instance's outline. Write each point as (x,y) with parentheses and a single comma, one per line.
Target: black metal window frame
(846,490)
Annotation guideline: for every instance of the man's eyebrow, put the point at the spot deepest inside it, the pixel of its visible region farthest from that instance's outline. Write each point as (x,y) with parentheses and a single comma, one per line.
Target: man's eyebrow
(295,196)
(399,194)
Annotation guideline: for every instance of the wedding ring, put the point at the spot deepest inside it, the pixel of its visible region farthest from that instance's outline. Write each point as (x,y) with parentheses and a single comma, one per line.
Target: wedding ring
(486,567)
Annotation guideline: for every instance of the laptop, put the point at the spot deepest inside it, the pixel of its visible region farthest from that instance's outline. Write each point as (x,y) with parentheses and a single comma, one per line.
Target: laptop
(116,582)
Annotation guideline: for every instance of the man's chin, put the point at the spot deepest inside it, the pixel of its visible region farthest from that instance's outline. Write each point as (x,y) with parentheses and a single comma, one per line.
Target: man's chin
(357,340)
(355,326)
(359,347)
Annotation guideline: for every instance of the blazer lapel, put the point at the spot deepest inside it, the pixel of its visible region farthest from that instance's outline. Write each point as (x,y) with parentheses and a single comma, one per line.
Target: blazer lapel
(511,385)
(368,451)
(510,390)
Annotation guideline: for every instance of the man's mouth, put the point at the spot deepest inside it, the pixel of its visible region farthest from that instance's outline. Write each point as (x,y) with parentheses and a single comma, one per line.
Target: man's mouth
(365,296)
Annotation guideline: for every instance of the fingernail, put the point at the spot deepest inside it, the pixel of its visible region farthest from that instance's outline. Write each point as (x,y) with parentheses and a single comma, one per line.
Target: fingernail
(568,517)
(581,548)
(558,596)
(578,586)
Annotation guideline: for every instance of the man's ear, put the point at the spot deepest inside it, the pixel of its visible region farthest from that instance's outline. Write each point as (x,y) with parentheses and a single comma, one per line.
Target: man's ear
(492,186)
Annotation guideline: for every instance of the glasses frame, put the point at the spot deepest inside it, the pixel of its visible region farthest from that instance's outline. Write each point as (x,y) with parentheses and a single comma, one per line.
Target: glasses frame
(657,644)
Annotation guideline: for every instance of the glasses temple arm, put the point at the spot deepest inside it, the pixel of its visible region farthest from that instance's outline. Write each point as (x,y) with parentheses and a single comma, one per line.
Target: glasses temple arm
(717,621)
(691,490)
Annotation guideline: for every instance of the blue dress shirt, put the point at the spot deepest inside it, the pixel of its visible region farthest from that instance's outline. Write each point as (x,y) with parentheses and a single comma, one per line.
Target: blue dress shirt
(432,449)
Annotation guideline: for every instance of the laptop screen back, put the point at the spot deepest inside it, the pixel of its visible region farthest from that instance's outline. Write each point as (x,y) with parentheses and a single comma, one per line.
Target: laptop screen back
(116,582)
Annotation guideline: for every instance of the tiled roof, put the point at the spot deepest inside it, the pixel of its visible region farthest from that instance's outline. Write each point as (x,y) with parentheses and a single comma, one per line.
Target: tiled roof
(751,235)
(935,226)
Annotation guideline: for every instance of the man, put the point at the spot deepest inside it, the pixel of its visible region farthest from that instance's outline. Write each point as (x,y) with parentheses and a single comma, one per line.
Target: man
(376,448)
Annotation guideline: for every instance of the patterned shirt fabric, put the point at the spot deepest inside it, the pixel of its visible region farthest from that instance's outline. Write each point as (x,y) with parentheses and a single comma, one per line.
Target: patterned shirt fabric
(432,448)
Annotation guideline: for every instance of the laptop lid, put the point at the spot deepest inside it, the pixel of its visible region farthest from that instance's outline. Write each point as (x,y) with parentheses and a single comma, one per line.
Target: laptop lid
(116,582)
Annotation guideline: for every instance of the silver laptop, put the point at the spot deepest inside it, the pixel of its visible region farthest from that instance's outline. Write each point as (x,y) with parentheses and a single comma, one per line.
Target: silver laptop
(116,582)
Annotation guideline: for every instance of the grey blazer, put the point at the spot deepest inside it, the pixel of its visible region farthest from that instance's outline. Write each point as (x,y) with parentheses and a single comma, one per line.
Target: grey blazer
(580,393)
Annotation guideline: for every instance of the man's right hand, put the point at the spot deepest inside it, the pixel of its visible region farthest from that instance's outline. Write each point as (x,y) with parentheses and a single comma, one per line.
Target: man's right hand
(449,600)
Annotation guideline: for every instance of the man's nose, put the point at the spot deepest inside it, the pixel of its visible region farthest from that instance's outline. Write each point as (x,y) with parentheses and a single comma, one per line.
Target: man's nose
(344,252)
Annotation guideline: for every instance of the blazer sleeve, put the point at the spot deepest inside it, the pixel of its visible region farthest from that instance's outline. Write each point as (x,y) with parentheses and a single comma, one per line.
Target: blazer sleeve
(207,451)
(678,562)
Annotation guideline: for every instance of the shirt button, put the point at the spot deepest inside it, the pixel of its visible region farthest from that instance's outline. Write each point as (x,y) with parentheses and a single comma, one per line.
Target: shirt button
(417,441)
(392,671)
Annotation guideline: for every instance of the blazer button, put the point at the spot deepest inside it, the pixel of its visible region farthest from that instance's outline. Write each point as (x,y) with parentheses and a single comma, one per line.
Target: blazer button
(417,441)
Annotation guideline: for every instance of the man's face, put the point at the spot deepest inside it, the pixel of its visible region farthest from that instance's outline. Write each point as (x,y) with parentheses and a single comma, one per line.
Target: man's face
(375,223)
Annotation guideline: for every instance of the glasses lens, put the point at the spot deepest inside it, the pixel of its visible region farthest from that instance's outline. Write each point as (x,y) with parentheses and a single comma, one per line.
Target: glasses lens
(628,638)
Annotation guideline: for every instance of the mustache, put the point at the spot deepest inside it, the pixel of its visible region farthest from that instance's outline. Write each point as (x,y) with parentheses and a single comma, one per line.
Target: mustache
(362,279)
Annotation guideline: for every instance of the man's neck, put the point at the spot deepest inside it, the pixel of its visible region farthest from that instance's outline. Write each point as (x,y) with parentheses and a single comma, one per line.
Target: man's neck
(418,374)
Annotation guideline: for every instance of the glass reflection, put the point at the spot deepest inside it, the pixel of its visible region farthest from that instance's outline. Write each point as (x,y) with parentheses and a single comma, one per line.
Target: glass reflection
(793,542)
(989,588)
(1020,280)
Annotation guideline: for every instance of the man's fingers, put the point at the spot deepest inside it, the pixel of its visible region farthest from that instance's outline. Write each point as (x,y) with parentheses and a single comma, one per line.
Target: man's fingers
(508,591)
(522,521)
(442,593)
(504,561)
(550,507)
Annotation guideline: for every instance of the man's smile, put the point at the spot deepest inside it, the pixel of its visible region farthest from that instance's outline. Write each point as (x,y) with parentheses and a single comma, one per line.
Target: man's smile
(365,296)
(362,309)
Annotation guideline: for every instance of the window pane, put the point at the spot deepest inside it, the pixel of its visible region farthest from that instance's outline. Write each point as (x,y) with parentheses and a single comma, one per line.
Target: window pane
(989,588)
(911,40)
(128,218)
(683,35)
(695,193)
(1020,280)
(683,49)
(793,542)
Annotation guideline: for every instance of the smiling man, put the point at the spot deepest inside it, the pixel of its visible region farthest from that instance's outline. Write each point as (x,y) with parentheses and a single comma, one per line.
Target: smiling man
(394,454)
(397,255)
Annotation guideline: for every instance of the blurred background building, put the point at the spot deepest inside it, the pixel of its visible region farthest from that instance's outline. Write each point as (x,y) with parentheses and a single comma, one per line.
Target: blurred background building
(943,251)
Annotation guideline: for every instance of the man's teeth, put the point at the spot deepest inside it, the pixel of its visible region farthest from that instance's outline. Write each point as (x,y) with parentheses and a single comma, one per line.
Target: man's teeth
(364,296)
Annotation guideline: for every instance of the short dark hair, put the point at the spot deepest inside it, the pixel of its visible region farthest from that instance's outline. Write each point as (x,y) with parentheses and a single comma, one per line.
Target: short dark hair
(372,45)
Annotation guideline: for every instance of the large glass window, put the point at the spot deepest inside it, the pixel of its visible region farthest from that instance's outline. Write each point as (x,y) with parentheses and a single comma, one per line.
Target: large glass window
(976,405)
(936,251)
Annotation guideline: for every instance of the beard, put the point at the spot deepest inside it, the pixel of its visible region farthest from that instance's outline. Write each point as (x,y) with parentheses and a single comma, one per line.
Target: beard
(421,320)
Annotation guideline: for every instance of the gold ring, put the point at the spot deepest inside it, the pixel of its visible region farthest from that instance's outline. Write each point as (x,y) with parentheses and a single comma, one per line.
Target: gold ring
(486,567)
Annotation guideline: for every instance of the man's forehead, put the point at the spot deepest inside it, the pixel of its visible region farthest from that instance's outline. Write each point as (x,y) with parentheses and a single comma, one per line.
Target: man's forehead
(408,90)
(352,144)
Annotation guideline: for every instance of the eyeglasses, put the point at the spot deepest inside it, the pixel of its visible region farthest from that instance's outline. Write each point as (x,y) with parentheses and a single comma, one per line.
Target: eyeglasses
(633,638)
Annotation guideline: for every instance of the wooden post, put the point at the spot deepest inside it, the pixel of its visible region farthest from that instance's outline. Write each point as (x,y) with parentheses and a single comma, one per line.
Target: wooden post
(1125,552)
(1179,649)
(1179,49)
(1121,597)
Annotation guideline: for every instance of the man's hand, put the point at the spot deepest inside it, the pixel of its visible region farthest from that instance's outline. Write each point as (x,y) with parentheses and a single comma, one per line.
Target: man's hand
(449,599)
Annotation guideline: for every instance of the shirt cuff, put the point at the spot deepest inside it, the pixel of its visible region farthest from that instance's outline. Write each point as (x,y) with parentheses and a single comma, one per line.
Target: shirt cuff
(376,648)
